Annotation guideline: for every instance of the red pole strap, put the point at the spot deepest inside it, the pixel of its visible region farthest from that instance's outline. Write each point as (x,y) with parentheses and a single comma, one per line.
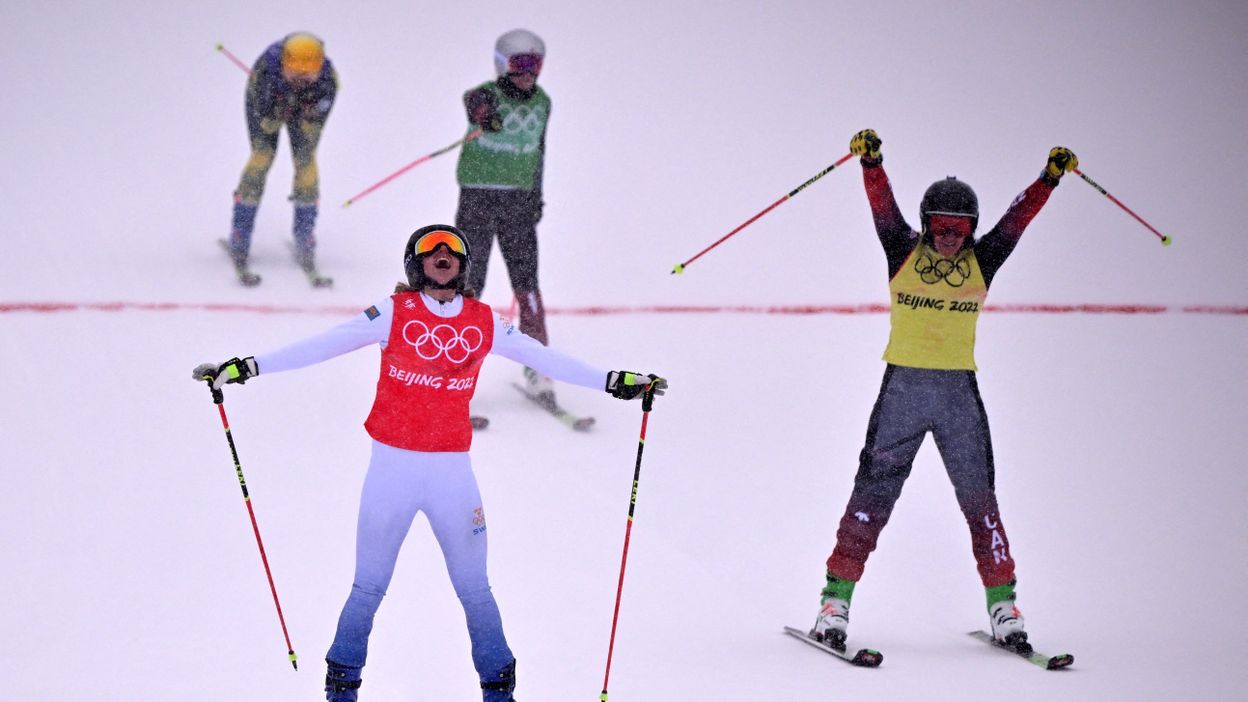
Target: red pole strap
(1165,240)
(680,267)
(410,166)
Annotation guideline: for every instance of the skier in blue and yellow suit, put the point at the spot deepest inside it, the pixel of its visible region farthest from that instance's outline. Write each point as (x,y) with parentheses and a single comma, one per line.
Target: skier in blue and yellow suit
(292,83)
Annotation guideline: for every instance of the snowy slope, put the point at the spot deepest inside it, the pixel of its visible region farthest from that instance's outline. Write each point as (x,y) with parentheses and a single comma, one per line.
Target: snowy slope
(132,559)
(132,571)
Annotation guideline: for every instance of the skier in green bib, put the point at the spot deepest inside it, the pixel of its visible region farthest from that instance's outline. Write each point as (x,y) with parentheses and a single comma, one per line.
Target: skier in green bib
(500,180)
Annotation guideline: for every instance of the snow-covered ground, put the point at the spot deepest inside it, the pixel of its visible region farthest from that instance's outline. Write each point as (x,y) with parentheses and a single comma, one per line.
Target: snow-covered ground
(132,572)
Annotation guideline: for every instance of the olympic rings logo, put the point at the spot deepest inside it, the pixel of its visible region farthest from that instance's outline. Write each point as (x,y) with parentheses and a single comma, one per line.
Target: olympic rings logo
(457,345)
(523,119)
(953,272)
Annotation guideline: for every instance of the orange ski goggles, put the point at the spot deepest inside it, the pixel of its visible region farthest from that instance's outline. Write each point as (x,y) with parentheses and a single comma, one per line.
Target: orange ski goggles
(431,241)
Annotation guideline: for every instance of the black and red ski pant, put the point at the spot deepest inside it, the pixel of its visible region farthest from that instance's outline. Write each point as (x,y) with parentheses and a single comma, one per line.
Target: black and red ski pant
(913,402)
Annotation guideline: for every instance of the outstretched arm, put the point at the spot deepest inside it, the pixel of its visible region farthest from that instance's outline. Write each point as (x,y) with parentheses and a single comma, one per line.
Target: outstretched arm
(510,342)
(371,326)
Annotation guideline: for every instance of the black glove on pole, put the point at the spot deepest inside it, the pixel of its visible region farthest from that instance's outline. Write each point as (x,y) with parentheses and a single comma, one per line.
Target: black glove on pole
(218,397)
(647,401)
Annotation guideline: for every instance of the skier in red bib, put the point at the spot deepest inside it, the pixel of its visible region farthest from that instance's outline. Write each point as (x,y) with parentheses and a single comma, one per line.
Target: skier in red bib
(938,281)
(433,341)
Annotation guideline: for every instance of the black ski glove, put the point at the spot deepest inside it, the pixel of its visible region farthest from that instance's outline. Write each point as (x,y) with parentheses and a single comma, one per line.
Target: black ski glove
(482,108)
(235,370)
(630,386)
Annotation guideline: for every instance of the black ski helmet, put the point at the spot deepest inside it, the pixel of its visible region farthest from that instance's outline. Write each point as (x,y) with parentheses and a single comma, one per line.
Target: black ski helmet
(949,197)
(443,235)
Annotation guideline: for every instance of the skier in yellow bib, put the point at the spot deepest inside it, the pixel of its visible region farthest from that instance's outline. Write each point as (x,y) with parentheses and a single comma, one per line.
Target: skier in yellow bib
(938,281)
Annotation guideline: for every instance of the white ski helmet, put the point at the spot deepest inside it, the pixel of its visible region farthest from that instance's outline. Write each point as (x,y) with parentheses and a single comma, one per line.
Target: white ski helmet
(517,42)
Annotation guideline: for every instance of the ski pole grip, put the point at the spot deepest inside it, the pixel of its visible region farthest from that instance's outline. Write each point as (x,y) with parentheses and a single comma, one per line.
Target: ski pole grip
(647,398)
(218,396)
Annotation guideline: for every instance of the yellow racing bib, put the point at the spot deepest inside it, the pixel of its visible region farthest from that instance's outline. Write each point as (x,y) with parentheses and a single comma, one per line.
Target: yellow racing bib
(934,309)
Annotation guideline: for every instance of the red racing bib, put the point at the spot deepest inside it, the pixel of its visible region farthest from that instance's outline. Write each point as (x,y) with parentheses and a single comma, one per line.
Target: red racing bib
(429,370)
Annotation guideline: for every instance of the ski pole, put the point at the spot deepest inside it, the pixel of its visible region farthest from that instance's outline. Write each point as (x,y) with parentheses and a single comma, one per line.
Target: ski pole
(410,166)
(647,402)
(1165,239)
(218,397)
(680,267)
(230,55)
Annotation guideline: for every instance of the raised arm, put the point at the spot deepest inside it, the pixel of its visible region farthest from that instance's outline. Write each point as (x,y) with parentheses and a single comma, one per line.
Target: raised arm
(896,236)
(993,248)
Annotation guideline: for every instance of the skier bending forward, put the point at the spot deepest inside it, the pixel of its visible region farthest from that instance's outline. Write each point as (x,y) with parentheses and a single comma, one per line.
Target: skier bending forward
(433,341)
(938,281)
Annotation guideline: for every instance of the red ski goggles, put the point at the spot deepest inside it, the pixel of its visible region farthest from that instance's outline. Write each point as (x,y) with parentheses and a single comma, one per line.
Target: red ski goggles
(525,63)
(431,241)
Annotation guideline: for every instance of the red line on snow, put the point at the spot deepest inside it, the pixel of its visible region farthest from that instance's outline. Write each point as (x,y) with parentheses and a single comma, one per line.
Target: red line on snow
(340,310)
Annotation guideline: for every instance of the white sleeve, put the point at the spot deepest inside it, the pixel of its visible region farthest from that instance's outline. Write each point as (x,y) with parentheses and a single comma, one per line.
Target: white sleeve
(372,326)
(511,343)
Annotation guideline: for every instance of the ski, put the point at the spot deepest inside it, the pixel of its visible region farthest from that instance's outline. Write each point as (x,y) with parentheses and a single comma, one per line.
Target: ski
(574,422)
(245,275)
(1026,652)
(315,277)
(863,657)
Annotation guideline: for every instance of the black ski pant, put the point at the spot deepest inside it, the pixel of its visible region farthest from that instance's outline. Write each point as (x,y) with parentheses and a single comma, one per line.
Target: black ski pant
(913,402)
(511,217)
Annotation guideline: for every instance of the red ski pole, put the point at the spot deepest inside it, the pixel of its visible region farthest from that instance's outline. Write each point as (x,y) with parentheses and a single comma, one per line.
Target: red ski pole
(647,402)
(410,166)
(229,55)
(680,267)
(1165,239)
(219,398)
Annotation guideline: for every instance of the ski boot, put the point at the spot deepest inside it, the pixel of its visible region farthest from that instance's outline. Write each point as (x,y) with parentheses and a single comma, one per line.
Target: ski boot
(539,386)
(1007,620)
(305,244)
(342,682)
(242,223)
(305,240)
(833,618)
(498,687)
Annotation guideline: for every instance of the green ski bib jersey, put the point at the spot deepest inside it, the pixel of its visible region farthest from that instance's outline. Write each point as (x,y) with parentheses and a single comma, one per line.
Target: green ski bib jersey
(508,159)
